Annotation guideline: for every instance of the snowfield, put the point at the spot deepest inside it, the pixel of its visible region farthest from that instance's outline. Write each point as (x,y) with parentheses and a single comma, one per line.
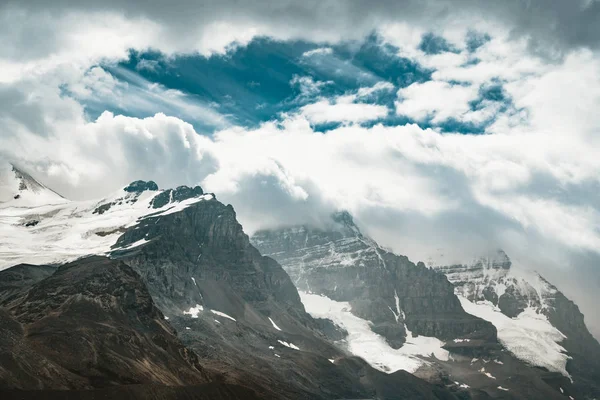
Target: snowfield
(38,233)
(363,342)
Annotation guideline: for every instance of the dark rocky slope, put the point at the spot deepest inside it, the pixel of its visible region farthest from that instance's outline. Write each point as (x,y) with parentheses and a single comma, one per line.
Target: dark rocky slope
(21,277)
(228,323)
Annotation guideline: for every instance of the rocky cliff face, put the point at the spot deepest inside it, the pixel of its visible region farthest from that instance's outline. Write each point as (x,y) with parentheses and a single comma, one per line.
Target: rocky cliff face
(390,291)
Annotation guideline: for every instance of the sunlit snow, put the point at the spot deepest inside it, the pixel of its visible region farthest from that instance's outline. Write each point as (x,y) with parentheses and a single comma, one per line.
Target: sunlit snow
(483,371)
(194,311)
(66,230)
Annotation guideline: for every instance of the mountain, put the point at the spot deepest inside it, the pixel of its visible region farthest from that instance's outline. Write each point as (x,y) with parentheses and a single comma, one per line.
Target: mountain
(401,315)
(535,320)
(159,294)
(18,188)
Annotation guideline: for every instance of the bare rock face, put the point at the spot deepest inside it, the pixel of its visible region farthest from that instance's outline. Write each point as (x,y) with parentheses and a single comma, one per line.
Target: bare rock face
(341,263)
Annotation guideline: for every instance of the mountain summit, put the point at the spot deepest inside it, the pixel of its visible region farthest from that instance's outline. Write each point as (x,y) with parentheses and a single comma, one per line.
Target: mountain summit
(18,188)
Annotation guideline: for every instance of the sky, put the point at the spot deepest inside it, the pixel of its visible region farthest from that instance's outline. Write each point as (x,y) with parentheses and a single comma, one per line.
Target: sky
(448,128)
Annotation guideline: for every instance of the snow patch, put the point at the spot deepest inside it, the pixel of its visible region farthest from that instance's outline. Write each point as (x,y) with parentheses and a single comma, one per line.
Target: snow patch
(194,311)
(503,388)
(483,371)
(133,245)
(182,205)
(290,345)
(274,324)
(222,314)
(194,280)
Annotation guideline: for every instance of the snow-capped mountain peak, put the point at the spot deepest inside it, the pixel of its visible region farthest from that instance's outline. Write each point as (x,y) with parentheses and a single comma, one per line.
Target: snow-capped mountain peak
(19,189)
(535,321)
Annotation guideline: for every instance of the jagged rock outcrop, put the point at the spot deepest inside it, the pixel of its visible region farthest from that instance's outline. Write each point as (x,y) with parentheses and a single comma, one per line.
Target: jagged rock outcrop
(341,263)
(140,186)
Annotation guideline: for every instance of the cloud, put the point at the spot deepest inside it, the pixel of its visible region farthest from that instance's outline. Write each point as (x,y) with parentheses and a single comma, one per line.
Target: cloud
(47,132)
(130,93)
(318,51)
(343,109)
(381,86)
(307,86)
(435,99)
(38,35)
(147,65)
